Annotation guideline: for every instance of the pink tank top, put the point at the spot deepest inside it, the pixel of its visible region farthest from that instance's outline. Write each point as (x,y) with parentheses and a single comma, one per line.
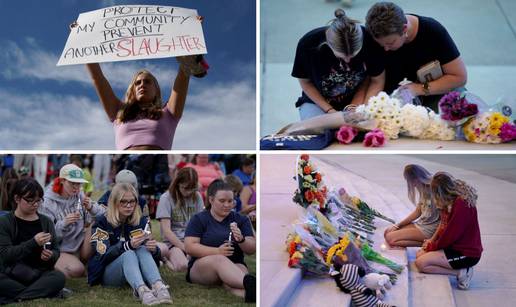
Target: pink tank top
(146,132)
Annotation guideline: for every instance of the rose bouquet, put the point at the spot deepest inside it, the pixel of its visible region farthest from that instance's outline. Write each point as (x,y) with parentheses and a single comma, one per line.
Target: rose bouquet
(386,111)
(454,107)
(373,138)
(311,191)
(488,128)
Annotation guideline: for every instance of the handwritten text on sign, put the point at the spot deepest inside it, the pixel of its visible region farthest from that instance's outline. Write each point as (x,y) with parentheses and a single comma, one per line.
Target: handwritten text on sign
(132,32)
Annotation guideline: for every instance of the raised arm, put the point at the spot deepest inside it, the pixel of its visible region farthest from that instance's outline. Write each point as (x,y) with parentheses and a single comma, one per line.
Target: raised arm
(176,102)
(106,95)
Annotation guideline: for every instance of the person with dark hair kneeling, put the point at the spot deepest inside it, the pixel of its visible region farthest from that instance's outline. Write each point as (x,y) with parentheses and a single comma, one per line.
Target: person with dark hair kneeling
(217,239)
(28,248)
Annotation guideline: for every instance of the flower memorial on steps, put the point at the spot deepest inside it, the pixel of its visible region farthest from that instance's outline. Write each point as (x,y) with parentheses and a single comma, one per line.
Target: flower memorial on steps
(336,228)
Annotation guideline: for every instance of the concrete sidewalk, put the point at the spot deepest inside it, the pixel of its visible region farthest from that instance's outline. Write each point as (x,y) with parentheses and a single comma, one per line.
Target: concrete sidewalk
(484,32)
(495,276)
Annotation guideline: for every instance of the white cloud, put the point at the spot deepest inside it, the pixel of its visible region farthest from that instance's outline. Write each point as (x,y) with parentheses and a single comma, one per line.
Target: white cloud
(220,116)
(19,63)
(49,121)
(217,115)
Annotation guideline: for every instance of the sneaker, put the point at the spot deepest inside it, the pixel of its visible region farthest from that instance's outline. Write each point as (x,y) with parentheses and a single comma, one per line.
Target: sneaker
(162,294)
(146,295)
(250,288)
(64,293)
(464,278)
(194,65)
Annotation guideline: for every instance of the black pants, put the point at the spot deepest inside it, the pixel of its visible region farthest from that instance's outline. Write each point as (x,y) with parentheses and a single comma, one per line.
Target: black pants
(48,285)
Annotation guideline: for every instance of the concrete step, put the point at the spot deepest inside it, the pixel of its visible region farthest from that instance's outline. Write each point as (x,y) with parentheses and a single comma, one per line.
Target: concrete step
(314,292)
(277,213)
(428,290)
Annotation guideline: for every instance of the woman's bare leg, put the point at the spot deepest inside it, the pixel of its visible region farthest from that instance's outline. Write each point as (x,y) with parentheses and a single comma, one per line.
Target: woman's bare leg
(216,269)
(174,258)
(435,263)
(235,291)
(70,265)
(408,235)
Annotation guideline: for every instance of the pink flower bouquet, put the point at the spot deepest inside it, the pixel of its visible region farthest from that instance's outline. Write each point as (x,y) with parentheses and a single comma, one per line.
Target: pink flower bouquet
(507,132)
(374,138)
(454,107)
(346,134)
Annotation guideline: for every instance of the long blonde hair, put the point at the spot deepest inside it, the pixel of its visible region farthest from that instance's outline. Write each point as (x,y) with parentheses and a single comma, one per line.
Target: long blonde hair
(418,180)
(113,214)
(131,109)
(445,189)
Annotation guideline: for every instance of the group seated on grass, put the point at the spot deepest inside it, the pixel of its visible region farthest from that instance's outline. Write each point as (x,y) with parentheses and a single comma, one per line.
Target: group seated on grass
(60,235)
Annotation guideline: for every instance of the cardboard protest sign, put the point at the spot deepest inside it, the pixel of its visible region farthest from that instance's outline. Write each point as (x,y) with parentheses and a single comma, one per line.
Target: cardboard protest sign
(132,32)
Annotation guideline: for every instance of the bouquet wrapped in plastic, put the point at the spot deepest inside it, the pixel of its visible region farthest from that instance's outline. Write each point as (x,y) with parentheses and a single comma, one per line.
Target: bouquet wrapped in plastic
(455,107)
(359,205)
(305,254)
(370,254)
(311,191)
(386,111)
(488,128)
(345,218)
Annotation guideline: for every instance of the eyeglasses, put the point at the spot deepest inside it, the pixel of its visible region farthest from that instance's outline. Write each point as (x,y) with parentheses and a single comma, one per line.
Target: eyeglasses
(128,203)
(32,202)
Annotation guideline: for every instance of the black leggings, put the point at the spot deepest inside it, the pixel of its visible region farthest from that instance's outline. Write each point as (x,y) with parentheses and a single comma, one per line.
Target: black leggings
(48,285)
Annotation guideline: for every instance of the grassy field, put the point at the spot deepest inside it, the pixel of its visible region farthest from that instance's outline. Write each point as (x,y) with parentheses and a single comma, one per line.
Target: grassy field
(183,293)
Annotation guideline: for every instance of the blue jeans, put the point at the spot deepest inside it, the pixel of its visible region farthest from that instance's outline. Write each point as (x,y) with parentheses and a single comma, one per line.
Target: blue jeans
(308,110)
(132,267)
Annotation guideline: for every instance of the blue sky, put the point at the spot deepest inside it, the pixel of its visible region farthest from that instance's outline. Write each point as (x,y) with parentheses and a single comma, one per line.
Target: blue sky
(48,107)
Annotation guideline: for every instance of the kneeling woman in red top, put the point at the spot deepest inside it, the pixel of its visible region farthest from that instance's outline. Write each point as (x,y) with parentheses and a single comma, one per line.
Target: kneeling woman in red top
(456,247)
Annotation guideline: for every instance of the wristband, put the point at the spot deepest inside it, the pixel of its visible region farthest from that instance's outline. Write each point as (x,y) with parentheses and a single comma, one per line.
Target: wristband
(426,88)
(241,241)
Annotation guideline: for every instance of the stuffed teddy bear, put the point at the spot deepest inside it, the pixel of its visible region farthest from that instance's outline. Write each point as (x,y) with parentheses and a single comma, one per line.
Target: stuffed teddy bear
(377,282)
(347,279)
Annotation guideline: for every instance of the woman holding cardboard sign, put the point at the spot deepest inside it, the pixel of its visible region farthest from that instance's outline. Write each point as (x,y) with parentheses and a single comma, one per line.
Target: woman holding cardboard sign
(125,252)
(141,122)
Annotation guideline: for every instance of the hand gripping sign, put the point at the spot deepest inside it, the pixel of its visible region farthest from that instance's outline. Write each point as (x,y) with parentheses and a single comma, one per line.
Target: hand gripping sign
(132,32)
